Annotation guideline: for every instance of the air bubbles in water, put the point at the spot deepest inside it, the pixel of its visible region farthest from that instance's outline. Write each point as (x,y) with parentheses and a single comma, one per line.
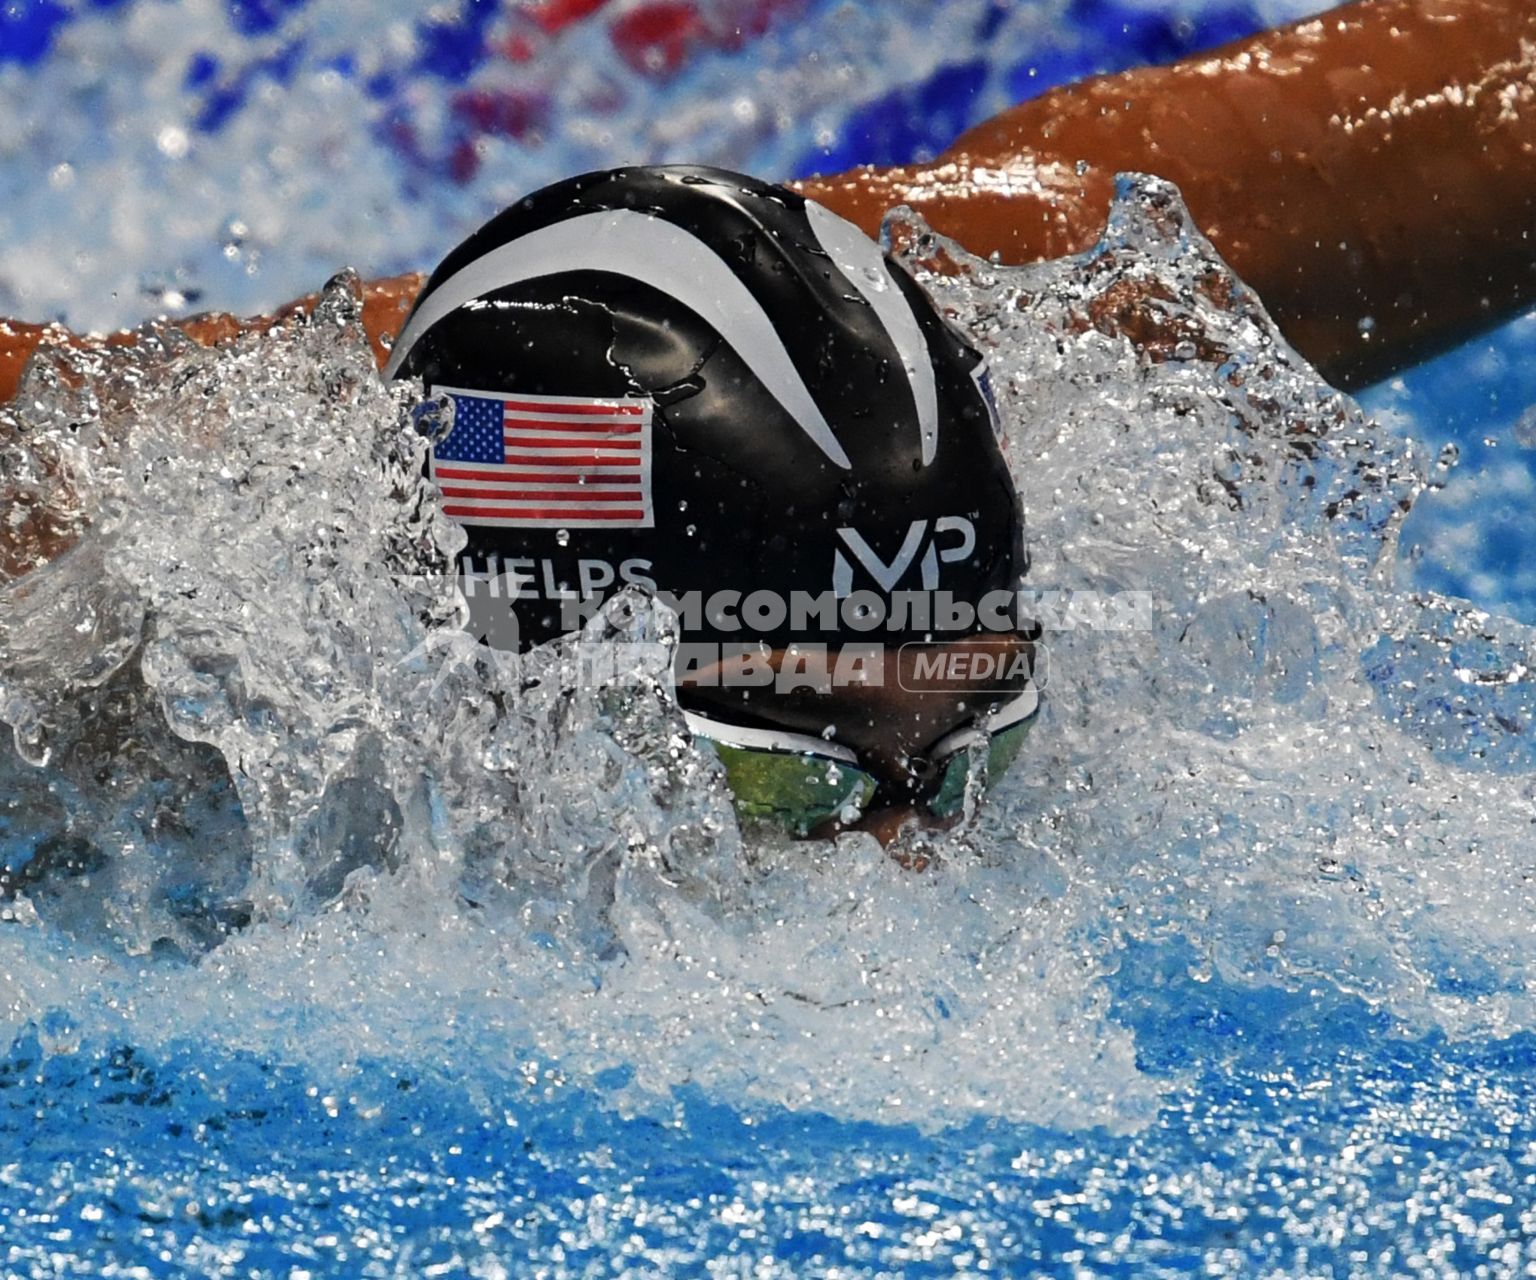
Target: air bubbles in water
(1525,429)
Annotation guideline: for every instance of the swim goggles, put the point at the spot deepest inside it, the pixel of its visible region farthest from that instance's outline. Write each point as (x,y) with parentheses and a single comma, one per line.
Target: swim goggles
(801,781)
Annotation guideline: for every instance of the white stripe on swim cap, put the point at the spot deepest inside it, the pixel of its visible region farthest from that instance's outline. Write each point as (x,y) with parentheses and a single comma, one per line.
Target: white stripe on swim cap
(754,739)
(860,260)
(655,252)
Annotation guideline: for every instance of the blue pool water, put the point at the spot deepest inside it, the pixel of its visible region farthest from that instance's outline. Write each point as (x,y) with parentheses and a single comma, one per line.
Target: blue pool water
(1233,978)
(1386,1156)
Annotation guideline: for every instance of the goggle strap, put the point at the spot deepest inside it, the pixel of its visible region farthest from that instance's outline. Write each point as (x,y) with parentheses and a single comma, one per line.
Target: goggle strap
(1005,717)
(754,738)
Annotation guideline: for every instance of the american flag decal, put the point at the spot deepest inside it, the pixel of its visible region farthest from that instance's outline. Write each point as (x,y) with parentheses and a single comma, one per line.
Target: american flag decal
(546,462)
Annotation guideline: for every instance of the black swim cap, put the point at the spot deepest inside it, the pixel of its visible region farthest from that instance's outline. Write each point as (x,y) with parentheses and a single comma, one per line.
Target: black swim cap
(684,377)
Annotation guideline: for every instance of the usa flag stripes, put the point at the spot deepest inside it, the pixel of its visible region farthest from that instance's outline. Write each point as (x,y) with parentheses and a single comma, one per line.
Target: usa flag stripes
(546,462)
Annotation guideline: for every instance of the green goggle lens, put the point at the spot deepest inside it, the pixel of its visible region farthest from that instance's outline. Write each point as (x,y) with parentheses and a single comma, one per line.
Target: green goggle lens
(1002,750)
(803,790)
(800,791)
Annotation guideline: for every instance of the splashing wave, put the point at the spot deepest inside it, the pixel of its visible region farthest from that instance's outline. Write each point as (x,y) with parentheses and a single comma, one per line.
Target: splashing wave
(265,794)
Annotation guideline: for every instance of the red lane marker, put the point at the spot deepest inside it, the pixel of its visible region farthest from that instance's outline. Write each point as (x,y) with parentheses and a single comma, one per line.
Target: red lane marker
(657,39)
(509,113)
(463,161)
(519,48)
(556,15)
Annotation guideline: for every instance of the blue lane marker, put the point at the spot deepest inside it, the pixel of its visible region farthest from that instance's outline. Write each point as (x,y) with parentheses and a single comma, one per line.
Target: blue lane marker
(916,122)
(28,28)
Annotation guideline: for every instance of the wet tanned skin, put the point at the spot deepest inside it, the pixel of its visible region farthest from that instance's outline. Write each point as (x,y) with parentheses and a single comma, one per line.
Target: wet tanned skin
(1370,172)
(31,535)
(1376,162)
(385,306)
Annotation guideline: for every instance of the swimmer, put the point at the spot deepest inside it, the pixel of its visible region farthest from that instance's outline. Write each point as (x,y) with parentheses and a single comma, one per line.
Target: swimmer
(1321,159)
(718,390)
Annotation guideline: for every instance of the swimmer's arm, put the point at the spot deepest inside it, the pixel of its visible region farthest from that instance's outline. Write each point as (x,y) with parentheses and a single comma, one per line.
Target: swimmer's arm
(37,525)
(1371,173)
(385,305)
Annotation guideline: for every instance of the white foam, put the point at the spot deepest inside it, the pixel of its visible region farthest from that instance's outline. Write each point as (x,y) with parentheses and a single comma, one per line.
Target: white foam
(1316,780)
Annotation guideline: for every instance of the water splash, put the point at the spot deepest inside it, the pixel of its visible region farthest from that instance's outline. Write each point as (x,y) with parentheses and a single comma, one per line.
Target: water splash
(247,691)
(1296,766)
